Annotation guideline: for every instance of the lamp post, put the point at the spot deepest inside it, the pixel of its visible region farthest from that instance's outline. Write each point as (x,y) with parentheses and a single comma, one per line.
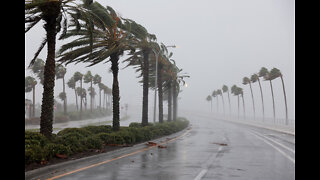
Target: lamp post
(156,82)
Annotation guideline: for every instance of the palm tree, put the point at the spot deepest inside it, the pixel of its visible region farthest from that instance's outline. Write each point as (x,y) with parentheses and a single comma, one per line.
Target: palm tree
(246,81)
(52,12)
(225,89)
(275,73)
(30,84)
(98,43)
(214,94)
(240,92)
(266,75)
(72,84)
(234,90)
(60,74)
(209,98)
(88,78)
(78,77)
(97,81)
(219,92)
(178,78)
(144,43)
(255,78)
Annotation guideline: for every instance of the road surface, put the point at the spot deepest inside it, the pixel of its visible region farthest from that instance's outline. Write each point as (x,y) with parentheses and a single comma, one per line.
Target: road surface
(210,149)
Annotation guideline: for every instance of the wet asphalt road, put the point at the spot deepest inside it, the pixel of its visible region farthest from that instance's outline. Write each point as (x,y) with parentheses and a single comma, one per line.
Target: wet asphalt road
(210,149)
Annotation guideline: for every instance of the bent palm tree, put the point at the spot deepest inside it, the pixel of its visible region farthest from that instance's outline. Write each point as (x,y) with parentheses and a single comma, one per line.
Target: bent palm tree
(246,81)
(78,77)
(275,73)
(215,95)
(266,75)
(209,98)
(88,78)
(225,89)
(30,84)
(60,73)
(219,92)
(52,12)
(107,40)
(255,78)
(234,91)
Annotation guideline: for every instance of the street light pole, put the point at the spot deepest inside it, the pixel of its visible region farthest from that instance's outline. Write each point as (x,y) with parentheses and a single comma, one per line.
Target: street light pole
(156,83)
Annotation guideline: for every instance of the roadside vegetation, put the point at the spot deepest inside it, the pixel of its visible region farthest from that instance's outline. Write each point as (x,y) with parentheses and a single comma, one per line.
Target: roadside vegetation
(40,150)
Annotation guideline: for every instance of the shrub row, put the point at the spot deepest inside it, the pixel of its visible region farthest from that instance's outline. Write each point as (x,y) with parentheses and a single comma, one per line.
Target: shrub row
(75,140)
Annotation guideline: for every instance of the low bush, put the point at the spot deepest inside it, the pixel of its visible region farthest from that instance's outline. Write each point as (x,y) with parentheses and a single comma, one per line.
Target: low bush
(75,140)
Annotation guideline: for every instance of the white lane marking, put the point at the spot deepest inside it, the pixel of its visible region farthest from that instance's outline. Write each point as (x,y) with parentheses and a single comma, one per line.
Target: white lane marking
(283,153)
(201,174)
(293,151)
(209,162)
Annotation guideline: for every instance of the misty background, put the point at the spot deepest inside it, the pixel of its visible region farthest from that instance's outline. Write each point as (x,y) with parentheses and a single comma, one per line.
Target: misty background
(219,42)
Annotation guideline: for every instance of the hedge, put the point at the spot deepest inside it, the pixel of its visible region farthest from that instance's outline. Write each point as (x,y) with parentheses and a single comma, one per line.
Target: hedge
(70,141)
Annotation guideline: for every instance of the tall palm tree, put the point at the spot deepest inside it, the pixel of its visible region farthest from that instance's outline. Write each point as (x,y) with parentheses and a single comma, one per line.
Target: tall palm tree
(266,75)
(53,12)
(78,77)
(72,84)
(178,78)
(240,92)
(209,98)
(60,74)
(255,78)
(107,40)
(97,81)
(225,89)
(235,91)
(219,92)
(141,47)
(246,81)
(88,78)
(30,84)
(275,73)
(215,95)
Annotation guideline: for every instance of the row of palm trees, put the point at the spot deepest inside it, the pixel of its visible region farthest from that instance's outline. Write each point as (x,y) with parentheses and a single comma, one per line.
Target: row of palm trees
(237,91)
(99,35)
(38,68)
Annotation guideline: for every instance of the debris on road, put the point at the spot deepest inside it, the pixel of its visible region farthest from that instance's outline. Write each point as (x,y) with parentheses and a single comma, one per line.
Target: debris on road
(160,146)
(221,144)
(150,143)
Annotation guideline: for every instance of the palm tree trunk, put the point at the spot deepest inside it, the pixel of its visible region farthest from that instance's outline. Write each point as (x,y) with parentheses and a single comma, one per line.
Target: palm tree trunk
(91,99)
(145,88)
(244,109)
(254,109)
(34,101)
(174,96)
(75,93)
(238,107)
(229,103)
(115,92)
(211,105)
(274,110)
(217,104)
(65,98)
(160,94)
(223,104)
(81,99)
(100,99)
(46,117)
(169,101)
(261,98)
(285,99)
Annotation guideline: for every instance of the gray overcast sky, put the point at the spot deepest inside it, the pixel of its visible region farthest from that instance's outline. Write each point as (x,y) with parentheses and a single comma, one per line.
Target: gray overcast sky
(220,42)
